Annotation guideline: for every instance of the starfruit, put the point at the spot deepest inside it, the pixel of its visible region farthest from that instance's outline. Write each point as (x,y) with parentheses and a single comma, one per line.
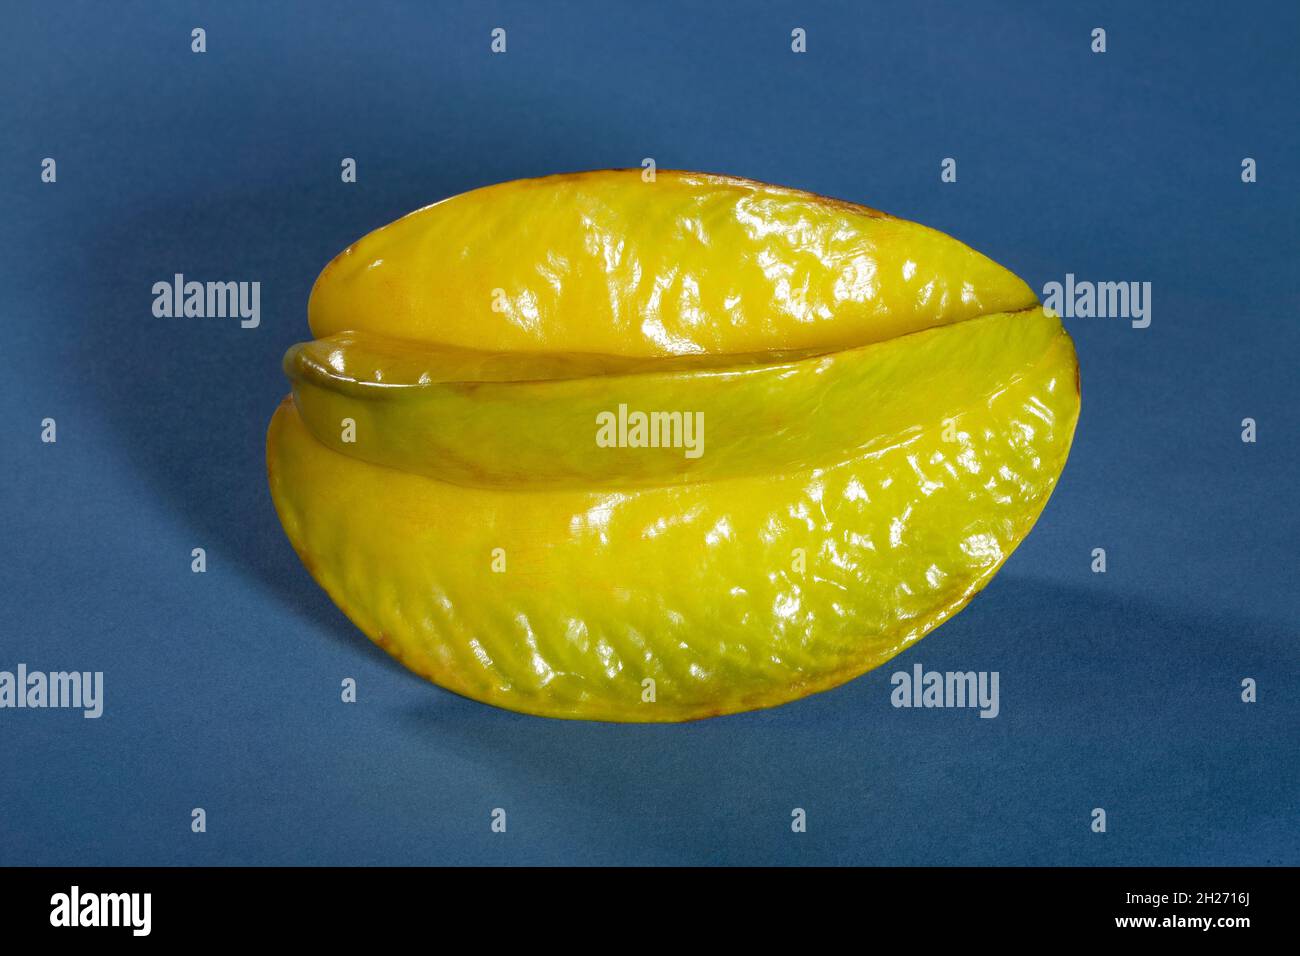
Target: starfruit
(591,446)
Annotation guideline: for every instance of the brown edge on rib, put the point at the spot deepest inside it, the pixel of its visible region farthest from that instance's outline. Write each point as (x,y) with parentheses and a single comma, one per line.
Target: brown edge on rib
(721,178)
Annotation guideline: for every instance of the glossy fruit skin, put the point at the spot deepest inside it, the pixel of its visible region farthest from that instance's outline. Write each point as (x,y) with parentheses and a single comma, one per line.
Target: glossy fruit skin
(691,263)
(539,432)
(807,545)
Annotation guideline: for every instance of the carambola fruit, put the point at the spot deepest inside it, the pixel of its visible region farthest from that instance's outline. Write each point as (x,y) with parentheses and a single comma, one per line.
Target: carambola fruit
(589,446)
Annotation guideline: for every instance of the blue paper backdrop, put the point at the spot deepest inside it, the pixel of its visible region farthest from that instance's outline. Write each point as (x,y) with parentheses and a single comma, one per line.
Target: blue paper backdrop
(1119,691)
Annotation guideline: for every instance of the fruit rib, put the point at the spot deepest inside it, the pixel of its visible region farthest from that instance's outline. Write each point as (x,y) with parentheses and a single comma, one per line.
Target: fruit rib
(698,587)
(690,263)
(421,410)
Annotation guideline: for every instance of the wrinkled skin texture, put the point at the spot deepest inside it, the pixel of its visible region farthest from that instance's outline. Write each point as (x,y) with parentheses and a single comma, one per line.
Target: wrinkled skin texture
(875,447)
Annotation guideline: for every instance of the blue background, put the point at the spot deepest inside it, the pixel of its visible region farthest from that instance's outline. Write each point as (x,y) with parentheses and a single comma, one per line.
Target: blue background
(1119,690)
